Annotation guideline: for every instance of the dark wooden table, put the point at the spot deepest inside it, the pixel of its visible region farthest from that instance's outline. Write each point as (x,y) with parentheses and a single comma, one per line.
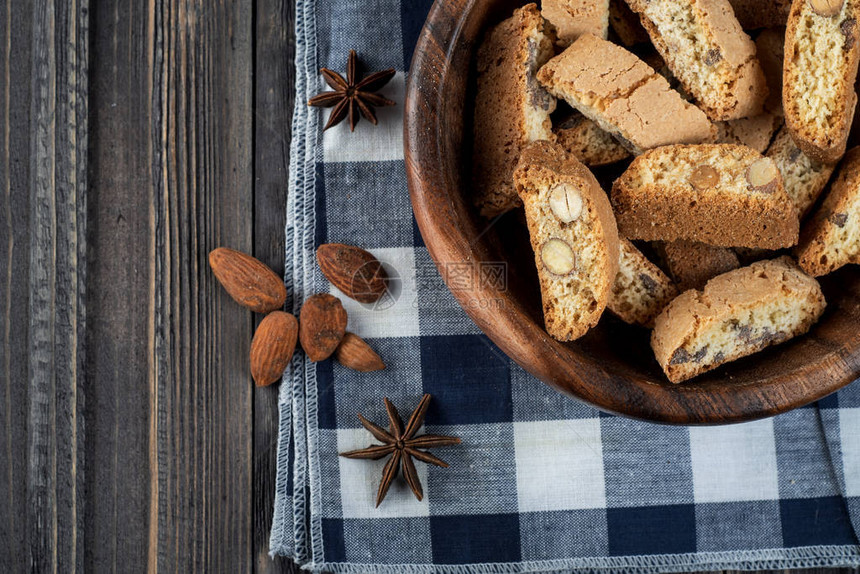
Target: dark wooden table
(136,137)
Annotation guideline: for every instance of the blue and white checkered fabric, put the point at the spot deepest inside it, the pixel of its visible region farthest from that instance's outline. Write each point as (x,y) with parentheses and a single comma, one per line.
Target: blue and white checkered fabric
(541,482)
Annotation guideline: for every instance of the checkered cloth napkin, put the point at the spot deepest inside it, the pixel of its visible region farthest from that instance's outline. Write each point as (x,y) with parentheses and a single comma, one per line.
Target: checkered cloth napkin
(541,482)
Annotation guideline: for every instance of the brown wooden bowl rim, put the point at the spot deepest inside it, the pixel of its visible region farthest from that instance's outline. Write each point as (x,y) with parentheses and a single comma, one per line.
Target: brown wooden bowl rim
(526,342)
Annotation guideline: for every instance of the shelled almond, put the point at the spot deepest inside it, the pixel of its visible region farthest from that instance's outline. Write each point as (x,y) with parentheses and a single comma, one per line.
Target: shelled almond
(354,353)
(356,272)
(248,280)
(322,325)
(272,347)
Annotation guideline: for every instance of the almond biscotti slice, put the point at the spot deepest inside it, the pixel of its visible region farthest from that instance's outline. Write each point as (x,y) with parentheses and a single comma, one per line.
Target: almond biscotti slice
(720,194)
(573,235)
(821,56)
(803,177)
(709,53)
(591,145)
(831,238)
(623,96)
(640,290)
(511,108)
(573,18)
(737,314)
(692,264)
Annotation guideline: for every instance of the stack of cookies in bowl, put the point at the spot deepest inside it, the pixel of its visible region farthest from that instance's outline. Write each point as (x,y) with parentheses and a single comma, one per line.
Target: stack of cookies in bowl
(724,186)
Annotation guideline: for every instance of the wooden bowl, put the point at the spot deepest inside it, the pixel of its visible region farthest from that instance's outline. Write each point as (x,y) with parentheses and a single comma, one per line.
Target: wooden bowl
(611,368)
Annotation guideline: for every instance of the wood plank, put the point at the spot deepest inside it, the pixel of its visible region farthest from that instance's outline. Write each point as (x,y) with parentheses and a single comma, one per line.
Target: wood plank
(172,427)
(55,335)
(274,92)
(119,268)
(202,337)
(15,43)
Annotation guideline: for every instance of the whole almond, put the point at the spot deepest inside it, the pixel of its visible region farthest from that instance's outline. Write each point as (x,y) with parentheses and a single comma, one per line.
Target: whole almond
(565,202)
(273,346)
(353,270)
(354,353)
(704,177)
(248,280)
(826,8)
(558,257)
(763,175)
(322,324)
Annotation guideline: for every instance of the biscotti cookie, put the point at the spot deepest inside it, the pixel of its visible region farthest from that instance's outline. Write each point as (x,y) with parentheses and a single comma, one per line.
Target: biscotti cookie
(591,145)
(831,238)
(625,23)
(573,18)
(770,51)
(511,108)
(821,55)
(761,13)
(737,314)
(803,177)
(640,290)
(755,132)
(573,235)
(720,194)
(709,53)
(692,264)
(623,96)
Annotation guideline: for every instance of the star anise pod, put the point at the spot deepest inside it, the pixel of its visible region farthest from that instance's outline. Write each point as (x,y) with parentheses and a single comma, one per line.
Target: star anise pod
(402,444)
(350,96)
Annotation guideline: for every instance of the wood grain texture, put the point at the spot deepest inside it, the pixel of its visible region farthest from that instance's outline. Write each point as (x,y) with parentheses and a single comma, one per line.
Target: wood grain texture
(118,269)
(612,367)
(274,95)
(15,64)
(170,439)
(45,189)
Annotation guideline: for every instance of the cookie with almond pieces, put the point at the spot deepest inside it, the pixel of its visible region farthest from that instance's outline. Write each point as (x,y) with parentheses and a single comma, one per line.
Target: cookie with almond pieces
(737,314)
(511,108)
(709,53)
(640,290)
(573,235)
(819,70)
(624,96)
(803,177)
(720,194)
(831,237)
